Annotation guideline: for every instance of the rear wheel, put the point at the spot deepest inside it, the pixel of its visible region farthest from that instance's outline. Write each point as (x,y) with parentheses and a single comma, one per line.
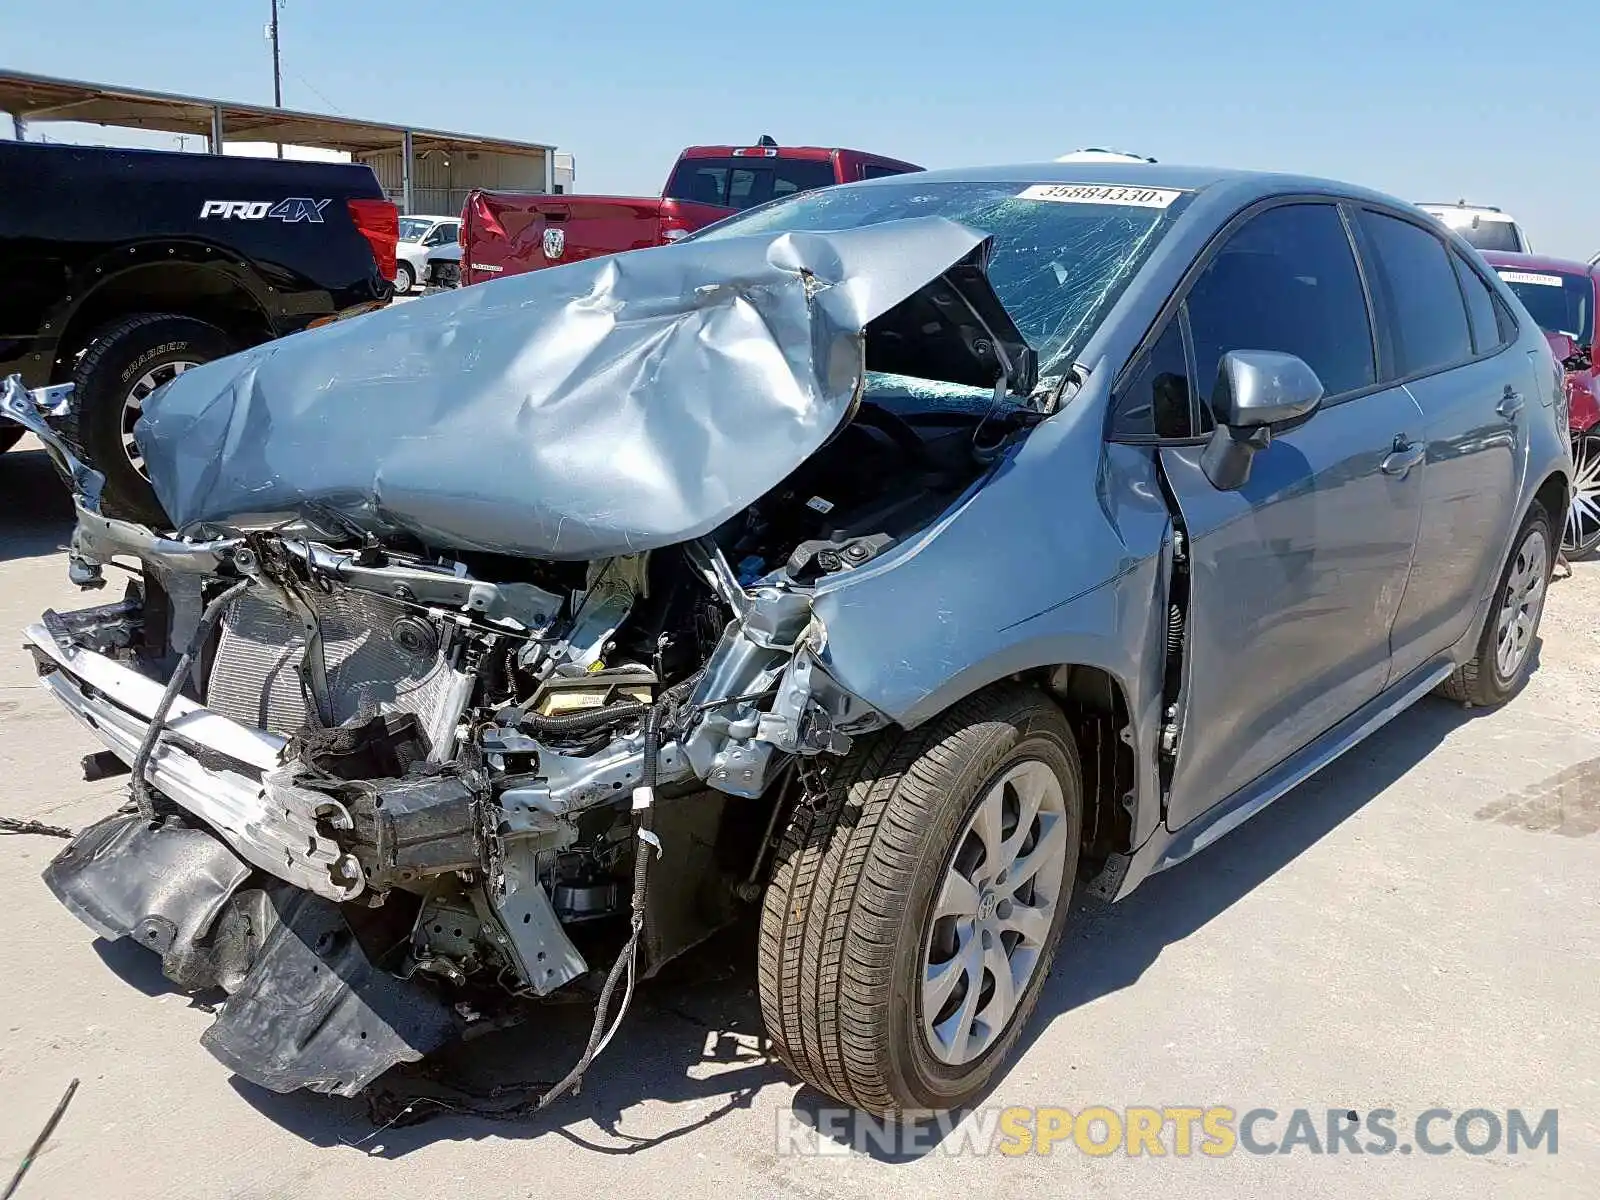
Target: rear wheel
(915,909)
(1505,648)
(1582,533)
(124,365)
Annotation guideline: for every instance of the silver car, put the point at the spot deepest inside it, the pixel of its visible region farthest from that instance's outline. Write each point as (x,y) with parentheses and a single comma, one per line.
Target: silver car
(892,559)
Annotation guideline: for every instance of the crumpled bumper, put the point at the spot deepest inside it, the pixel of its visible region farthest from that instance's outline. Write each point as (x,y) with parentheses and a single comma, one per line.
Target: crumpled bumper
(211,766)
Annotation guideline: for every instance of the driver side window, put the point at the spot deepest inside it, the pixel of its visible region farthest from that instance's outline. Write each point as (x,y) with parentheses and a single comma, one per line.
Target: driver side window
(1285,280)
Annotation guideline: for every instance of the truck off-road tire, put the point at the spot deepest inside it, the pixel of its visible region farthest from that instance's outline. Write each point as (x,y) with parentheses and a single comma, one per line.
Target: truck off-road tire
(1505,647)
(124,363)
(404,279)
(937,859)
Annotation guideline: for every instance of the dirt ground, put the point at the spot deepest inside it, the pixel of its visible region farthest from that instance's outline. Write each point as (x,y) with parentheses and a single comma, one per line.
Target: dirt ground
(1416,927)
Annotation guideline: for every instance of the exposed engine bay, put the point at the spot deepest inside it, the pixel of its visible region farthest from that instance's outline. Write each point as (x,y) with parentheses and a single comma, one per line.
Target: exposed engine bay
(455,681)
(439,778)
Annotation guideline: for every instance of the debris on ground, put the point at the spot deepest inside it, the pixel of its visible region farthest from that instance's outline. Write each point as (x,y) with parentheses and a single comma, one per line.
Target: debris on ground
(15,825)
(38,1142)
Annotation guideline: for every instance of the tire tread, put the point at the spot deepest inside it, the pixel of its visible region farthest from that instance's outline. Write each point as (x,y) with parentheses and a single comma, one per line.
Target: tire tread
(834,906)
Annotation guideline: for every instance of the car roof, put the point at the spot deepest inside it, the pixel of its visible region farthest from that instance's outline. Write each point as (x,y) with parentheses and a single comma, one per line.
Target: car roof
(1538,262)
(1476,212)
(1228,184)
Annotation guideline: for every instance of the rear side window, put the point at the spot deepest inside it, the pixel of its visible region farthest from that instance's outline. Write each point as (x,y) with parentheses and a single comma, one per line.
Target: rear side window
(1285,280)
(745,182)
(879,171)
(1492,235)
(1482,307)
(1425,317)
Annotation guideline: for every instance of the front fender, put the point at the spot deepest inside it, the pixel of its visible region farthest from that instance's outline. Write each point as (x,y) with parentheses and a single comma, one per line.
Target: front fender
(1060,558)
(94,275)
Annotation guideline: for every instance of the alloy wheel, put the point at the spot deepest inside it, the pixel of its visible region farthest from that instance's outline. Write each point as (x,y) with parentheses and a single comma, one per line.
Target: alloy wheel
(994,912)
(1521,604)
(133,406)
(1582,532)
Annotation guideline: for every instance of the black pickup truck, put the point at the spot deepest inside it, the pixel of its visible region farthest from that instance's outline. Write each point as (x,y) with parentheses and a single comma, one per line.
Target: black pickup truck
(119,269)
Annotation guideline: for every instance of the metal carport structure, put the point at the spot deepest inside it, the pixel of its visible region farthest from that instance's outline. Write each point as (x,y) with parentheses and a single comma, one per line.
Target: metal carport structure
(419,168)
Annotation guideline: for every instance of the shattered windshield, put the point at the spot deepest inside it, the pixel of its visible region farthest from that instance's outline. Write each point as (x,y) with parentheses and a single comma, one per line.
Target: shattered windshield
(1062,252)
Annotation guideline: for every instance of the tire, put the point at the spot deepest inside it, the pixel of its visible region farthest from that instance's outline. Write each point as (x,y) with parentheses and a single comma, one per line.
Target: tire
(404,278)
(1581,534)
(123,364)
(1491,677)
(848,924)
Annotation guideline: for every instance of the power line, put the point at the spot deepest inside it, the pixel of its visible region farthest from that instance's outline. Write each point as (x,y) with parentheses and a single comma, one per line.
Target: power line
(318,93)
(277,64)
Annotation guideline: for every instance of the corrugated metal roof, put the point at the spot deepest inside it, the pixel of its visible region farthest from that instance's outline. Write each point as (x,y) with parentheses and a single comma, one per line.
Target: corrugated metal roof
(43,98)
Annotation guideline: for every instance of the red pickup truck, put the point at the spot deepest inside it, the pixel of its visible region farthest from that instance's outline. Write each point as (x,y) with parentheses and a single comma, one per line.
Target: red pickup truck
(506,233)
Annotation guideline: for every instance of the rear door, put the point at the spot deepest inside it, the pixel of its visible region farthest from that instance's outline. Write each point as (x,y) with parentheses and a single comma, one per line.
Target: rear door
(1295,579)
(1446,337)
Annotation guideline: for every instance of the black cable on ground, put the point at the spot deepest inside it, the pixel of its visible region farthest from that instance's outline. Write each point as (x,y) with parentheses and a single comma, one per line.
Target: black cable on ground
(14,825)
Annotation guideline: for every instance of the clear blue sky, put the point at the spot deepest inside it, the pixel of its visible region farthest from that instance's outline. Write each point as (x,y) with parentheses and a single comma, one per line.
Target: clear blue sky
(1424,100)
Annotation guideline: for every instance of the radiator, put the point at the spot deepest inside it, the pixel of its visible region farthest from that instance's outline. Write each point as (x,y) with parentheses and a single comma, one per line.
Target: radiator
(256,680)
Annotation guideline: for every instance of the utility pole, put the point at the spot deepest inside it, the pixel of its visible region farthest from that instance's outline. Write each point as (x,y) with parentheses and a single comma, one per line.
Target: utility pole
(277,65)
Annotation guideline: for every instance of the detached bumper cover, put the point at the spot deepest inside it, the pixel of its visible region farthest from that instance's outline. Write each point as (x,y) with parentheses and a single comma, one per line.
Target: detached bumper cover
(307,1009)
(162,885)
(314,1013)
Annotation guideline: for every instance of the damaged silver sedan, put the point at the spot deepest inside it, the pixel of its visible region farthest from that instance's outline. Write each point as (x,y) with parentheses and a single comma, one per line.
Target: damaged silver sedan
(886,559)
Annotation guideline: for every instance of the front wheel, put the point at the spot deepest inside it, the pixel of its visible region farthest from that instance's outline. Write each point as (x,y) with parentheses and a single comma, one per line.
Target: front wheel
(1505,647)
(404,279)
(1582,533)
(915,909)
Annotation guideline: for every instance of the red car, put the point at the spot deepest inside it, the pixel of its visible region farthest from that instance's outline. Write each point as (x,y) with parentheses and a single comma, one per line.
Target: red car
(506,233)
(1562,297)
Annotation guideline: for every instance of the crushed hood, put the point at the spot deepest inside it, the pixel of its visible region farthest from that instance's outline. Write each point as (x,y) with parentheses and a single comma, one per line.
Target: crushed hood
(601,408)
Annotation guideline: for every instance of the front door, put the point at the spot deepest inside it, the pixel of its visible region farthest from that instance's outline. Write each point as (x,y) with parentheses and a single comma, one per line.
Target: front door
(1294,579)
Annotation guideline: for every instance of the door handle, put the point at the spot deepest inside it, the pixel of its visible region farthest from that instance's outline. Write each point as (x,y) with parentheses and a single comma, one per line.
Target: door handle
(1405,455)
(1510,403)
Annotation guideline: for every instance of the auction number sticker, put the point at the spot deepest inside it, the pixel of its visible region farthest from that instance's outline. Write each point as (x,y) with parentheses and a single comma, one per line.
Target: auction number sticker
(1531,277)
(1098,193)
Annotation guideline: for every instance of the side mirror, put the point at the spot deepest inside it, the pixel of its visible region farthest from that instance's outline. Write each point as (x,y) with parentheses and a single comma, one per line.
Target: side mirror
(1258,393)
